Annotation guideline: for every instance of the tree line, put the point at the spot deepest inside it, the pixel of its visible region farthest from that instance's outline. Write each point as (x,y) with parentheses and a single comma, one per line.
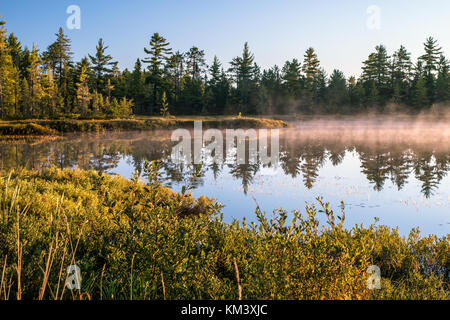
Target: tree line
(51,85)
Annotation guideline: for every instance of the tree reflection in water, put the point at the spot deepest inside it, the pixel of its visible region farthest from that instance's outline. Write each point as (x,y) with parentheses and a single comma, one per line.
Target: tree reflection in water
(394,156)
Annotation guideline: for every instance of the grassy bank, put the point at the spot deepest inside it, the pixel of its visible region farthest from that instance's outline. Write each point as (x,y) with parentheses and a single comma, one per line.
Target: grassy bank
(52,127)
(142,241)
(25,129)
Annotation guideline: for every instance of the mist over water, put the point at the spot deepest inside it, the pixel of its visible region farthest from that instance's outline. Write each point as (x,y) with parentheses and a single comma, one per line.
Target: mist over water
(391,167)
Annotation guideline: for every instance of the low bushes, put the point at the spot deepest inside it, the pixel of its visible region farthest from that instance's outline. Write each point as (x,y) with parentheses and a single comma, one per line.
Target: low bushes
(134,240)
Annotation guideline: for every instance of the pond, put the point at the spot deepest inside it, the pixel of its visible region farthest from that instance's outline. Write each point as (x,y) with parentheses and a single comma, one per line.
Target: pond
(396,171)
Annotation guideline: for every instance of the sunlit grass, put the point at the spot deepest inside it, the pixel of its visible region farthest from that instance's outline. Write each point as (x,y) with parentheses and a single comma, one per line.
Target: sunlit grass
(143,241)
(52,127)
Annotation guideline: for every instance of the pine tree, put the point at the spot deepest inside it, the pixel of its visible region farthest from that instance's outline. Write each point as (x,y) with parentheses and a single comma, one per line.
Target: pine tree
(102,65)
(431,60)
(402,65)
(58,56)
(311,66)
(15,50)
(158,52)
(311,69)
(401,72)
(195,59)
(376,75)
(431,56)
(419,97)
(175,71)
(243,71)
(8,77)
(382,68)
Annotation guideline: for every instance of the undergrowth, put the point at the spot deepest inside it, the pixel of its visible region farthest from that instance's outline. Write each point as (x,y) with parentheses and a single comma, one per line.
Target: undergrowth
(139,240)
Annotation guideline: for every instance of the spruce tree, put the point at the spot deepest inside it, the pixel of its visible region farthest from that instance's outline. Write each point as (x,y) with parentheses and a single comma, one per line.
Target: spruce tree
(292,78)
(137,85)
(213,91)
(337,90)
(214,72)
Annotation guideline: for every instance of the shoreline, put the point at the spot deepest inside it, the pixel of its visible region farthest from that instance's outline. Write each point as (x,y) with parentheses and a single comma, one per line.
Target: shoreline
(35,127)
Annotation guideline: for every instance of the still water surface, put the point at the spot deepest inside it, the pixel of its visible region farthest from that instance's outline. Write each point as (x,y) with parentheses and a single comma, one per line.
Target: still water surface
(395,171)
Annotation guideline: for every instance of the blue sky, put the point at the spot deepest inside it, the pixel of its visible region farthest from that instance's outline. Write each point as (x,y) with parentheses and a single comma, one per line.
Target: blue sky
(276,30)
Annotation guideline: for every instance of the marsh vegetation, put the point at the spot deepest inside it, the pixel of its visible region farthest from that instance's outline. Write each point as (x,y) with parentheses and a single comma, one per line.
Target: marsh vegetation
(136,240)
